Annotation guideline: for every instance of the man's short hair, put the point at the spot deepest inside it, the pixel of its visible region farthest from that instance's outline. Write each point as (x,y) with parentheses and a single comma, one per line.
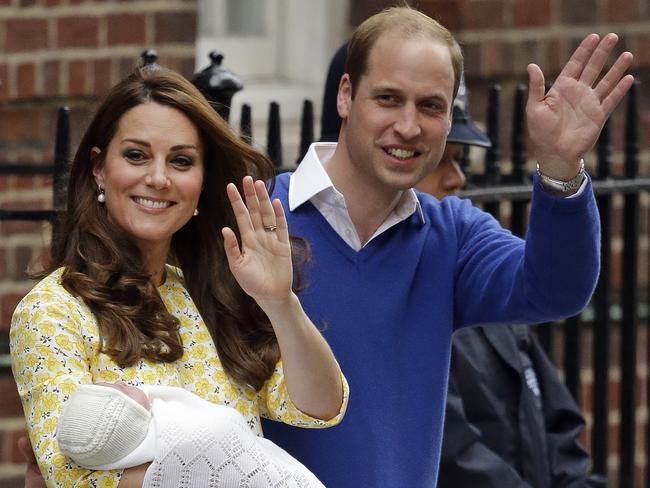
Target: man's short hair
(407,22)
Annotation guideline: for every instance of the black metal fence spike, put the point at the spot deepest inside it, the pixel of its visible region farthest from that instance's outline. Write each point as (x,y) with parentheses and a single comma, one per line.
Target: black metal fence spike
(274,136)
(218,84)
(216,57)
(246,124)
(632,132)
(149,57)
(629,295)
(519,143)
(61,160)
(61,157)
(306,129)
(572,350)
(493,153)
(519,160)
(604,152)
(602,303)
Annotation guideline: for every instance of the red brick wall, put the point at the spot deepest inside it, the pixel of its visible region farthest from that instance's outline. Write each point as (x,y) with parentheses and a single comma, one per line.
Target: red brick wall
(55,53)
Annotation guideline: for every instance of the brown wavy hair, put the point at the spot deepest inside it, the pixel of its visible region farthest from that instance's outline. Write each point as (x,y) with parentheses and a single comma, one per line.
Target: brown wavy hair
(104,267)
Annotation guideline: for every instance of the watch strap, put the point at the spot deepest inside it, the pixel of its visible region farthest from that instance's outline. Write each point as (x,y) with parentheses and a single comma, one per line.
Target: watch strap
(563,186)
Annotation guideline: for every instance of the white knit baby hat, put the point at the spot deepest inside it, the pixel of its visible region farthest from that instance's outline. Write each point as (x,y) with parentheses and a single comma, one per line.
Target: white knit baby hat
(100,425)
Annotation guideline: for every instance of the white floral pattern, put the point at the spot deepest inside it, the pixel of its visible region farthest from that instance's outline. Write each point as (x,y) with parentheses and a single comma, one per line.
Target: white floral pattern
(55,347)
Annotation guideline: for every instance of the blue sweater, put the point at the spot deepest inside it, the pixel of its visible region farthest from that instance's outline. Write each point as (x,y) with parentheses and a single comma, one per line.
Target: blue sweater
(388,312)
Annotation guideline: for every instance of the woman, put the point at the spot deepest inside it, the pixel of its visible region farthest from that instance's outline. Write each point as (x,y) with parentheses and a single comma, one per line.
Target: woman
(148,187)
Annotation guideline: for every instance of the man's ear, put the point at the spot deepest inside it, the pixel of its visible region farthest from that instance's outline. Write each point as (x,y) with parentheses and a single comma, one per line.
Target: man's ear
(98,167)
(344,96)
(449,122)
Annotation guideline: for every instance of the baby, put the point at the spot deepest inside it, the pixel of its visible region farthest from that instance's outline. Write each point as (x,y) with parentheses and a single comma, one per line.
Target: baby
(116,426)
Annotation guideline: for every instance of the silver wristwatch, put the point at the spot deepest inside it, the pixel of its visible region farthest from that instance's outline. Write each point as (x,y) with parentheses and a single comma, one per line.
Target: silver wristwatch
(561,186)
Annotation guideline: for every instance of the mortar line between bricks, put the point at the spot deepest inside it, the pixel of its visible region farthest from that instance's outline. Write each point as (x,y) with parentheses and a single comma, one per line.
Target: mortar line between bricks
(91,54)
(12,423)
(11,470)
(94,10)
(550,32)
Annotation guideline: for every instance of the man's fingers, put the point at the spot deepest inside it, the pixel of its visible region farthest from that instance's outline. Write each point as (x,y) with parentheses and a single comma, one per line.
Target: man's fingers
(598,59)
(616,95)
(613,77)
(536,90)
(580,57)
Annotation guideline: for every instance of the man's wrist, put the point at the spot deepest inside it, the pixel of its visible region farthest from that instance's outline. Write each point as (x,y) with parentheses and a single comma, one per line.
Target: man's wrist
(562,187)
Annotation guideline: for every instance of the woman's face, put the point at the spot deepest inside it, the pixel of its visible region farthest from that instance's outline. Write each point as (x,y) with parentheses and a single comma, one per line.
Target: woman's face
(152,174)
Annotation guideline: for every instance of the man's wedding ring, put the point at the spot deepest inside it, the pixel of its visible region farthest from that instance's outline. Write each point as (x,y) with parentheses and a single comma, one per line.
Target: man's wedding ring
(270,228)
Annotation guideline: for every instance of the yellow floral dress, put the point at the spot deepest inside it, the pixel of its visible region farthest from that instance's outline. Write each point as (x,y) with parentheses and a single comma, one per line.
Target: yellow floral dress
(55,347)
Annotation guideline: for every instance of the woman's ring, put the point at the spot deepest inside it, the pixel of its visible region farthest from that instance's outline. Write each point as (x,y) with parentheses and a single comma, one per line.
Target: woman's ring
(270,228)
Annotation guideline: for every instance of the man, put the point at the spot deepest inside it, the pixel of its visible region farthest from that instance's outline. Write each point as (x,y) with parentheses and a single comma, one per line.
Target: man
(393,274)
(509,420)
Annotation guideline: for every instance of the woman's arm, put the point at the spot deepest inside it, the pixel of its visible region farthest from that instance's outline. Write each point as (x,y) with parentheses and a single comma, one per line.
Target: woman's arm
(133,477)
(262,267)
(50,358)
(312,375)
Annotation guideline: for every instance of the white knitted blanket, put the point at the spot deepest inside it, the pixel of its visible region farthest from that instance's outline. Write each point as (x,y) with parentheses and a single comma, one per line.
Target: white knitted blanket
(202,445)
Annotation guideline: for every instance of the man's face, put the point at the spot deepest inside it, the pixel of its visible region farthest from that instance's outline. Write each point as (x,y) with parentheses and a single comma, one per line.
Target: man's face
(447,178)
(395,127)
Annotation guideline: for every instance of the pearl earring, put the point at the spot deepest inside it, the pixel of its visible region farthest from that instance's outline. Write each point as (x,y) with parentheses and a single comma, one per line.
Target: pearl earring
(196,212)
(101,197)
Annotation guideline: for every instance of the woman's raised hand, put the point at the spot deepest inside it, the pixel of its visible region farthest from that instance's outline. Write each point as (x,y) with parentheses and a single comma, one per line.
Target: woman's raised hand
(262,267)
(262,264)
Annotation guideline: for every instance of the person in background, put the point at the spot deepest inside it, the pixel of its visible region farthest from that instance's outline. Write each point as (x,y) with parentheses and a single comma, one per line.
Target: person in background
(394,273)
(510,421)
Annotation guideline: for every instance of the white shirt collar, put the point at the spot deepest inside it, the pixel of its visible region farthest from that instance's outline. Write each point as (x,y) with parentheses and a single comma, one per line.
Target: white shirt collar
(310,177)
(311,180)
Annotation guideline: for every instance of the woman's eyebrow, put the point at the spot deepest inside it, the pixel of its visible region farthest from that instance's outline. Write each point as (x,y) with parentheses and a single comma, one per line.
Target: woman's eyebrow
(146,144)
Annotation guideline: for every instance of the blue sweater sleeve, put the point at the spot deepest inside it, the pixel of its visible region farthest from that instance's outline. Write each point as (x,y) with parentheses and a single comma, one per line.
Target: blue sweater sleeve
(551,275)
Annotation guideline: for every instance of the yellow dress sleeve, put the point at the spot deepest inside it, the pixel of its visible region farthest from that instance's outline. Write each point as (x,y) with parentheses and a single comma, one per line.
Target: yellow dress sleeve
(275,403)
(50,357)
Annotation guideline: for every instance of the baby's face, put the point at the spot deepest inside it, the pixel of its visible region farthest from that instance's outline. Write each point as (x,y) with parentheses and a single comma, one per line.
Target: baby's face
(131,391)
